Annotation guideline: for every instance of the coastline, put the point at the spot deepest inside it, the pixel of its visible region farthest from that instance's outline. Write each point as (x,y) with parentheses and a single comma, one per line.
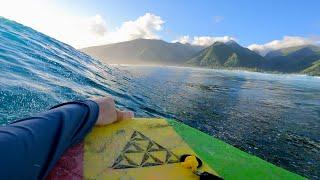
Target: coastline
(252,70)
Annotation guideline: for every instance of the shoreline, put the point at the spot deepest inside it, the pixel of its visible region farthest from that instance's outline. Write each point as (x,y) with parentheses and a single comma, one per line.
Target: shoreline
(247,70)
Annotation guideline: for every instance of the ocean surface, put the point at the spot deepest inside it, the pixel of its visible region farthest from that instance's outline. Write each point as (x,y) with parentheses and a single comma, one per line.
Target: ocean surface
(275,117)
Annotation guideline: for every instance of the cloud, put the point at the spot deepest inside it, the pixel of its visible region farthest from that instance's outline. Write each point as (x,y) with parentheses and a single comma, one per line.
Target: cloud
(285,42)
(208,40)
(203,40)
(77,30)
(97,25)
(145,26)
(217,19)
(182,39)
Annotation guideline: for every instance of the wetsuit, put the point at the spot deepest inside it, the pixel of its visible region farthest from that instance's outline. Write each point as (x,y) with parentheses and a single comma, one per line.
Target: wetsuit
(29,148)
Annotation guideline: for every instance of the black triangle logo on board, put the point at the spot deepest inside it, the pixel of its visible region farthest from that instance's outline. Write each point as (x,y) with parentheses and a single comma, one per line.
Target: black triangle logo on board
(141,151)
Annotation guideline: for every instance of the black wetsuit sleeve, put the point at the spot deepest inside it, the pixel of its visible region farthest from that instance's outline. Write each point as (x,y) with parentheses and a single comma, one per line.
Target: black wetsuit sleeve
(29,148)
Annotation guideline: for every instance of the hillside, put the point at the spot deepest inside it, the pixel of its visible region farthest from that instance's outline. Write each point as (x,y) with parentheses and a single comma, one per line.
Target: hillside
(228,54)
(143,51)
(293,59)
(299,59)
(313,70)
(289,50)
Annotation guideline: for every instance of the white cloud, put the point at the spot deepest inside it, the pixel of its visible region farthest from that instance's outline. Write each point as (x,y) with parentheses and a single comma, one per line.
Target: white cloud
(182,39)
(77,30)
(203,40)
(208,40)
(285,42)
(217,19)
(144,26)
(97,25)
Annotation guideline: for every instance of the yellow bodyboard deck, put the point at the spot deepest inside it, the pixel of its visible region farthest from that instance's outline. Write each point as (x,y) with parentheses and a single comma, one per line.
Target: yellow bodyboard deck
(137,149)
(148,148)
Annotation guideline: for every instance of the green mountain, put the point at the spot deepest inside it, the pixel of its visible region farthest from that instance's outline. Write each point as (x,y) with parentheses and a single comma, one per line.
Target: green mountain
(289,50)
(293,59)
(143,51)
(299,59)
(228,54)
(313,70)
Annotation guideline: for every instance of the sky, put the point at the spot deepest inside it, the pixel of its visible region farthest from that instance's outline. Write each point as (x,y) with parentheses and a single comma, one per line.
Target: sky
(261,25)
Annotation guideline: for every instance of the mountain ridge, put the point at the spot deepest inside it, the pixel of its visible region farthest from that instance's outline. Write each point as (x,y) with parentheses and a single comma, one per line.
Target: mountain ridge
(143,51)
(229,54)
(296,59)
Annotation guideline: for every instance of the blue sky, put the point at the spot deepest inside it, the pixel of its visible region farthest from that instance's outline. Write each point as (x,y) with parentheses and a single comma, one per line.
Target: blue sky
(249,22)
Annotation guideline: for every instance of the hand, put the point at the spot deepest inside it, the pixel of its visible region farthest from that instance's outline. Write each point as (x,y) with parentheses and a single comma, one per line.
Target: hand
(108,113)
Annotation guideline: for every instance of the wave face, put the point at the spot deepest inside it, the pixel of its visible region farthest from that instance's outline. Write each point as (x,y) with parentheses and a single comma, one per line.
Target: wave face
(38,72)
(276,117)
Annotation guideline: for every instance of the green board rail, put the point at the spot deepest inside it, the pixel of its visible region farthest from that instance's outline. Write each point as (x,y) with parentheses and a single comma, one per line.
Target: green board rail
(228,161)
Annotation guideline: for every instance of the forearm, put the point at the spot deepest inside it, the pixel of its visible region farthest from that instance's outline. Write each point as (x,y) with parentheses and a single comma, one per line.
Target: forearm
(32,146)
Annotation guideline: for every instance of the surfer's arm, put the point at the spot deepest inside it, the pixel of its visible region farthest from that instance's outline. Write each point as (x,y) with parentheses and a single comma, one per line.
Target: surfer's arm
(29,148)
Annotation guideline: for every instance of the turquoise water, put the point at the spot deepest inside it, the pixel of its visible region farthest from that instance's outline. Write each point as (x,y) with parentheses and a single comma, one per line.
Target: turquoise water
(276,117)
